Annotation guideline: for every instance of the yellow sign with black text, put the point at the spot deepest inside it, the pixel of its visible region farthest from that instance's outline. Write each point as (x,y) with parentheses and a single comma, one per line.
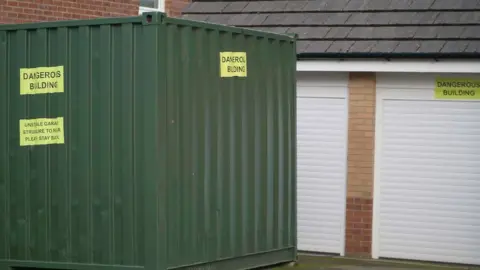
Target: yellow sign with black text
(41,80)
(468,89)
(233,64)
(41,131)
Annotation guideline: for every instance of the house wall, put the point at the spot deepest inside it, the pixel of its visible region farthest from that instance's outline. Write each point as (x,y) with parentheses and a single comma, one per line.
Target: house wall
(21,11)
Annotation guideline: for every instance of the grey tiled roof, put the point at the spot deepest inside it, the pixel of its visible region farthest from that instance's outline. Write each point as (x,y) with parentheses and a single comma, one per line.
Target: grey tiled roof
(437,28)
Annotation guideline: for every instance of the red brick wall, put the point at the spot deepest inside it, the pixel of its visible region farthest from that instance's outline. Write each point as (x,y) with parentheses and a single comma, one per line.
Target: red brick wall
(20,11)
(174,8)
(361,130)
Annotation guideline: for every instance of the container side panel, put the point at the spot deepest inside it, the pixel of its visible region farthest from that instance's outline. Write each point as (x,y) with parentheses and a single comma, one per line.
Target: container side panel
(4,149)
(37,180)
(230,189)
(138,153)
(59,195)
(80,169)
(122,122)
(19,157)
(81,201)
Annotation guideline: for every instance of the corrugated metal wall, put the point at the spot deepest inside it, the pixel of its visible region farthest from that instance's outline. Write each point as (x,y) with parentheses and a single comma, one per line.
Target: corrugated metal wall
(231,166)
(82,201)
(165,164)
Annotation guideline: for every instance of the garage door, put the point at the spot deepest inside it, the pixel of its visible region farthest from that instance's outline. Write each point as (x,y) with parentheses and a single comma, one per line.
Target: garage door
(427,172)
(321,139)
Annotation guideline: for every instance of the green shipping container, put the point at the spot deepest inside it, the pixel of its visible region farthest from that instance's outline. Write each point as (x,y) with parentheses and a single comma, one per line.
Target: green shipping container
(146,143)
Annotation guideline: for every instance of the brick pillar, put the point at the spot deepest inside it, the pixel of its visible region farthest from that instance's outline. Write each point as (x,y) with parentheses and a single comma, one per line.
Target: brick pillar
(174,8)
(361,130)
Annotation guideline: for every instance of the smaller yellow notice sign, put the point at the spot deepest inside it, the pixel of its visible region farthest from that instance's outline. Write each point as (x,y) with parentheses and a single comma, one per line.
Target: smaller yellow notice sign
(41,131)
(233,64)
(41,80)
(457,88)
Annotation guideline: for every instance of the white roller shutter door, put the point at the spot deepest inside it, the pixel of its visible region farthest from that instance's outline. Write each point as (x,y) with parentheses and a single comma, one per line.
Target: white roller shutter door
(321,164)
(427,176)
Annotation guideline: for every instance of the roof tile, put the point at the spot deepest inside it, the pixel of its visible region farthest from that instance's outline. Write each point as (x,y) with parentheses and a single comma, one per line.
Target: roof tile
(246,19)
(338,18)
(399,5)
(326,18)
(384,46)
(449,17)
(473,46)
(315,5)
(338,32)
(274,6)
(420,4)
(295,5)
(377,18)
(318,46)
(402,17)
(470,4)
(378,4)
(361,32)
(362,46)
(254,6)
(431,46)
(447,4)
(317,18)
(235,6)
(405,32)
(427,32)
(357,18)
(219,19)
(302,46)
(309,32)
(393,32)
(383,32)
(340,46)
(471,32)
(356,5)
(336,5)
(454,47)
(407,47)
(285,19)
(424,17)
(471,17)
(450,32)
(240,19)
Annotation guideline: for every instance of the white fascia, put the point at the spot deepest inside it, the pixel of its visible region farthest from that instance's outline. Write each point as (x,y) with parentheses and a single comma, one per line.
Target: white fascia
(407,66)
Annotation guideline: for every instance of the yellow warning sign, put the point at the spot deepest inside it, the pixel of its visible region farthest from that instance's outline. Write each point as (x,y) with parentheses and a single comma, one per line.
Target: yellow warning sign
(457,88)
(233,64)
(41,80)
(41,131)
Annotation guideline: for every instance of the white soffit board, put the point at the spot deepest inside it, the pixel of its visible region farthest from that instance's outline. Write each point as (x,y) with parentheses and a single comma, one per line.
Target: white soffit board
(405,66)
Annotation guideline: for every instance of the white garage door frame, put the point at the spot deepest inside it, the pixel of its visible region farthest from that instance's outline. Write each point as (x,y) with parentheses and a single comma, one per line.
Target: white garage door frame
(388,86)
(329,85)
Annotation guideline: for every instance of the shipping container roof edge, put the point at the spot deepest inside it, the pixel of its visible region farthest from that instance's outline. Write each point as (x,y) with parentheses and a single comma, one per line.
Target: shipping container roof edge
(228,28)
(147,18)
